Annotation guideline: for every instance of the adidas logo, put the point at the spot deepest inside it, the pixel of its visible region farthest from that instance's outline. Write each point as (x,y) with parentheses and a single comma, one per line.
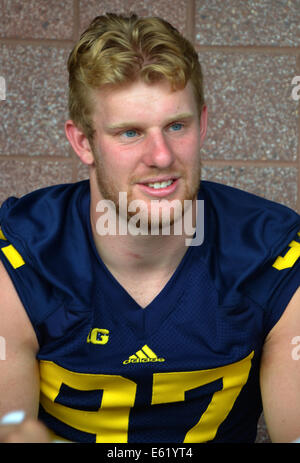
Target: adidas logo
(144,355)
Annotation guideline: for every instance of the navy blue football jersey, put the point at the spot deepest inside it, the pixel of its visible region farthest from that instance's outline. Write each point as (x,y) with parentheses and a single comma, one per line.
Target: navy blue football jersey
(183,369)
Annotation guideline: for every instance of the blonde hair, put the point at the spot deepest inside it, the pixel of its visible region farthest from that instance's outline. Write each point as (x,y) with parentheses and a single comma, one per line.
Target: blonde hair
(116,50)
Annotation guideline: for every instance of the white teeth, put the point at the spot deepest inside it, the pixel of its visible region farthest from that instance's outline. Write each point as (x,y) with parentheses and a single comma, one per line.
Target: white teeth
(158,185)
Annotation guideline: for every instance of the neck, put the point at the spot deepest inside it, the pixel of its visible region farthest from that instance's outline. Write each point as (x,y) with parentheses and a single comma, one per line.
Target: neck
(127,254)
(139,253)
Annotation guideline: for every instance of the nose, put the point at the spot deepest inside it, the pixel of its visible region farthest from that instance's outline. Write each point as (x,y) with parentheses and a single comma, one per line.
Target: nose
(158,152)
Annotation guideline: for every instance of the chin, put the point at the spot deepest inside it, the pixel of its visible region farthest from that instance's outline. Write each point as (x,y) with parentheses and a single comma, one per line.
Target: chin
(157,219)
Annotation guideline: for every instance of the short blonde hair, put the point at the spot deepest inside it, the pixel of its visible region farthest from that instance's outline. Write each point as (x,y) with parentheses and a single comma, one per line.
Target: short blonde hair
(116,50)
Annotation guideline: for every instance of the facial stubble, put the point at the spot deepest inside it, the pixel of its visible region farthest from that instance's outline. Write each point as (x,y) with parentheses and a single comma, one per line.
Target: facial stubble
(108,192)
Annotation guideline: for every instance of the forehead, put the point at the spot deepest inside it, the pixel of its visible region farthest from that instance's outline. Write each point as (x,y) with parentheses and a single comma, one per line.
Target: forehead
(148,103)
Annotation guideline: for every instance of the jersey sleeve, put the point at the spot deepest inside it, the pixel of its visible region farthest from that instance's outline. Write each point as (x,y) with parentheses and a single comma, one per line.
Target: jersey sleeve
(38,298)
(276,282)
(44,263)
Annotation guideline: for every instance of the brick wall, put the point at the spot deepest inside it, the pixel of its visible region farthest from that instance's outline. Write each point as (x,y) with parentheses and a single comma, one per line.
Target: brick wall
(250,51)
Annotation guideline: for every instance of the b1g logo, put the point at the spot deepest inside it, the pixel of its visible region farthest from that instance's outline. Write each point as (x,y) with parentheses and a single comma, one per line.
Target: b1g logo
(98,336)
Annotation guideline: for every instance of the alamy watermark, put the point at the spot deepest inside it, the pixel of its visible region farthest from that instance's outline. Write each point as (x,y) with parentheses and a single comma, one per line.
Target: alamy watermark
(2,88)
(2,348)
(296,350)
(37,85)
(296,90)
(110,222)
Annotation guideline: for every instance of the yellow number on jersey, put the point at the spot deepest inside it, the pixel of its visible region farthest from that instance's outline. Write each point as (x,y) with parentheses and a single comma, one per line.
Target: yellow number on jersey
(171,387)
(110,423)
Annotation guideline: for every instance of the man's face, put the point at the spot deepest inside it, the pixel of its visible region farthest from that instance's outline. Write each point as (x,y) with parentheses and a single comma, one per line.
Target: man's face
(147,144)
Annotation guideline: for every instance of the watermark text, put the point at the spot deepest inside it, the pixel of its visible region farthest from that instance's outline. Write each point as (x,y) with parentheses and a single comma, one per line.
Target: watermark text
(2,88)
(159,217)
(296,350)
(2,348)
(296,90)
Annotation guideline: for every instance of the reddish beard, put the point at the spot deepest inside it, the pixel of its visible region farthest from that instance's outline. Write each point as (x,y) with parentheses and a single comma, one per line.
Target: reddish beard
(108,192)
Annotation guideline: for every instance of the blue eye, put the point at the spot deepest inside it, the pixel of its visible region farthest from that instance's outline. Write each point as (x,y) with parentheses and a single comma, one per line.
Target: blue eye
(130,133)
(176,126)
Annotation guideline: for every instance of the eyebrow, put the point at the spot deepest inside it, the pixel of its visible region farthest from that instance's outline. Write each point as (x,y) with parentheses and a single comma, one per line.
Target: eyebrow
(169,120)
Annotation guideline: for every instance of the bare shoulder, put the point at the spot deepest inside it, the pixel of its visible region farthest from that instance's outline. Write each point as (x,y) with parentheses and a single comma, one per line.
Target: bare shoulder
(280,375)
(289,322)
(19,376)
(12,313)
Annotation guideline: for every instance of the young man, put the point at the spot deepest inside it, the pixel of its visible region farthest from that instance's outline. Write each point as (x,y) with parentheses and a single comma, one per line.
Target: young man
(115,330)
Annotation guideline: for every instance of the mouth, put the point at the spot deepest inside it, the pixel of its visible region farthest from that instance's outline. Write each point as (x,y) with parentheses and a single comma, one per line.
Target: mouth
(159,187)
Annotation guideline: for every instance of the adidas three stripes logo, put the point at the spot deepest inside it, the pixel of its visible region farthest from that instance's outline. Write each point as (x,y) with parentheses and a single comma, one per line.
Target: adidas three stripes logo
(144,355)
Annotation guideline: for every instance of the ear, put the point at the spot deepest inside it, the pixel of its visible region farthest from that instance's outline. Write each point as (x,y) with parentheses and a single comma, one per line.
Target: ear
(203,124)
(79,143)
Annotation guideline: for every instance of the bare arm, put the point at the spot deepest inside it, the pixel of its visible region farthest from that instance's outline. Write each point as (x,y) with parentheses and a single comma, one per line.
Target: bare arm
(19,373)
(280,376)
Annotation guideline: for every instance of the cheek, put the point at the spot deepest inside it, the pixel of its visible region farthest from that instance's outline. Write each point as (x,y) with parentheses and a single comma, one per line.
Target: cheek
(108,156)
(188,148)
(116,163)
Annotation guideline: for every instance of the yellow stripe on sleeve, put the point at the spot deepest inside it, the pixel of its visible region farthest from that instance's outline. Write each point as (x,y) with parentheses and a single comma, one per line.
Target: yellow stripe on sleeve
(2,237)
(290,258)
(13,256)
